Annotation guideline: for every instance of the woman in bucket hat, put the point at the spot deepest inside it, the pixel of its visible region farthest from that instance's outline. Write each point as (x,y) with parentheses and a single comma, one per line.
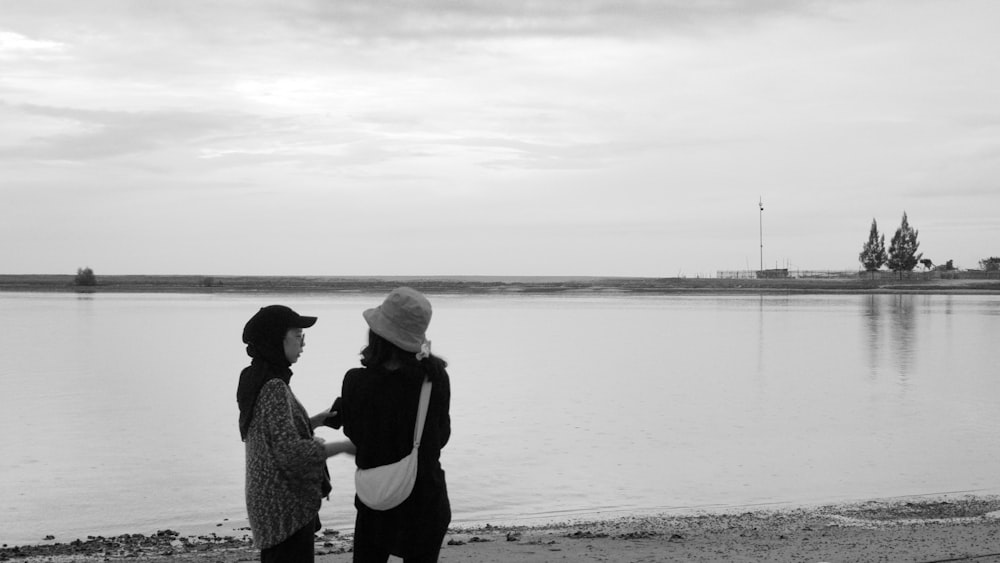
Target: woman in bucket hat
(378,409)
(286,476)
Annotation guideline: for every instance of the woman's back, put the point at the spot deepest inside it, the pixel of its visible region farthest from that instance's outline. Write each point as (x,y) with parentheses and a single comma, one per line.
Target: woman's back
(379,410)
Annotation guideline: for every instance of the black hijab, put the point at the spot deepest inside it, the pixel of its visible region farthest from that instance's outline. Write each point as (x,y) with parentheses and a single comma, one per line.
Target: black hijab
(264,335)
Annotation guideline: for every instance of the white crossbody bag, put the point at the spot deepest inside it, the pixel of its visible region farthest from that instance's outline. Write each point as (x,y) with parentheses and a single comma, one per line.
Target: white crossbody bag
(387,486)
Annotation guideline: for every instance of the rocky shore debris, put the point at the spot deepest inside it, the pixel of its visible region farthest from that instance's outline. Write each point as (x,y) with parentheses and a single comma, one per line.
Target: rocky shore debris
(773,530)
(473,539)
(877,511)
(586,534)
(162,543)
(331,542)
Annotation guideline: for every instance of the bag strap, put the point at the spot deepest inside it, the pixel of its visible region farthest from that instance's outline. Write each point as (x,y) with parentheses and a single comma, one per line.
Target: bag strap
(425,398)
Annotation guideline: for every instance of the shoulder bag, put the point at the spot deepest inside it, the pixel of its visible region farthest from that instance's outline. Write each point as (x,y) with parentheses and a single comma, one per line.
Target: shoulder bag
(387,486)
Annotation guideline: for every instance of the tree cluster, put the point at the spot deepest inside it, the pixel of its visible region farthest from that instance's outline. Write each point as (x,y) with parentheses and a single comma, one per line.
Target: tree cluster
(85,277)
(902,255)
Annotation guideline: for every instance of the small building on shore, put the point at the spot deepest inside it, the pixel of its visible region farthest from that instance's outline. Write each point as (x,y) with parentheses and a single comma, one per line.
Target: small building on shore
(774,273)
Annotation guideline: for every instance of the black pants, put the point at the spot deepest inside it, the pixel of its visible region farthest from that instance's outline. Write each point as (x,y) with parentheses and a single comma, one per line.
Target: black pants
(373,554)
(374,543)
(298,548)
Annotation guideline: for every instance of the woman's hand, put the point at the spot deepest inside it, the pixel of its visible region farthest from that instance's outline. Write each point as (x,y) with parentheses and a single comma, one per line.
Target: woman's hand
(341,447)
(319,419)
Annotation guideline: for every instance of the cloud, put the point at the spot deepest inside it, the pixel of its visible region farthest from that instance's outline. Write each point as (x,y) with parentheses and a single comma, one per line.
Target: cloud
(226,21)
(14,45)
(475,19)
(515,153)
(100,134)
(187,45)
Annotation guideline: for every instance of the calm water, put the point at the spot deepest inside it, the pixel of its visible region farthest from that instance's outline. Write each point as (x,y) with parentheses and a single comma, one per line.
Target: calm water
(118,412)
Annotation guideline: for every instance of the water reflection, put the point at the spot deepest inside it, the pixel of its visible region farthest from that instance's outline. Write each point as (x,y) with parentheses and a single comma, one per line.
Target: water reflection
(873,320)
(903,334)
(760,340)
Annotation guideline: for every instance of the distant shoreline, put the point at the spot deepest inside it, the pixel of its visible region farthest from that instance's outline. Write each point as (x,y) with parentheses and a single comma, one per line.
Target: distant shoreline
(915,283)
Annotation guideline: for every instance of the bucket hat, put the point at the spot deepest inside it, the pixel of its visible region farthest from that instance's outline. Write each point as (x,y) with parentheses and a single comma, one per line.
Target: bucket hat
(402,319)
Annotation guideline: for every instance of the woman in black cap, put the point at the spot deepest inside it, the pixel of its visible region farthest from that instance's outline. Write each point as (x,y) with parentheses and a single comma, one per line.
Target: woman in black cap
(378,409)
(286,475)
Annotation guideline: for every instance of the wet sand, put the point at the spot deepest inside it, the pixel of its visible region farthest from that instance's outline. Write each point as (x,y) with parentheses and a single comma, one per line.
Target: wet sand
(946,529)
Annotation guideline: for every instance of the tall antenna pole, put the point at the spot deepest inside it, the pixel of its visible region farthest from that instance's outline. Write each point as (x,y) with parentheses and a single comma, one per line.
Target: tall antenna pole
(760,203)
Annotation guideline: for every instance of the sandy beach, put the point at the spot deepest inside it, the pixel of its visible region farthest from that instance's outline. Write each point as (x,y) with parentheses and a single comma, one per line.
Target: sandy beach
(922,530)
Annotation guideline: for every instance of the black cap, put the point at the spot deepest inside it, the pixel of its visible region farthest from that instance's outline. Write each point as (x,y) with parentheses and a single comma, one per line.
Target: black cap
(274,319)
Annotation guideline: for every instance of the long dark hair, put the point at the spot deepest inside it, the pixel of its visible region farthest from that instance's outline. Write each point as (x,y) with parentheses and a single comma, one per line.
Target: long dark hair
(380,352)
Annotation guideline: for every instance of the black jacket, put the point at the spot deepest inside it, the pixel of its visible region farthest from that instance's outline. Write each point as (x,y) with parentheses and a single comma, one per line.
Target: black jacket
(378,410)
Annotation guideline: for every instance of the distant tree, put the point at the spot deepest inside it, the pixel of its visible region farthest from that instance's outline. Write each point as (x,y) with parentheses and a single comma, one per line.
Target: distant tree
(926,263)
(873,255)
(903,255)
(948,266)
(991,264)
(85,277)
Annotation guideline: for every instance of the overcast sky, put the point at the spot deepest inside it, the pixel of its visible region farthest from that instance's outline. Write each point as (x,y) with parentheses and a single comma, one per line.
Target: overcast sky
(500,137)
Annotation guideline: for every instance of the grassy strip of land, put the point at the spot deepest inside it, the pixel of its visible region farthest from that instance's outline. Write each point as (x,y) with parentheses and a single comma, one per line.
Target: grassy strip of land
(484,284)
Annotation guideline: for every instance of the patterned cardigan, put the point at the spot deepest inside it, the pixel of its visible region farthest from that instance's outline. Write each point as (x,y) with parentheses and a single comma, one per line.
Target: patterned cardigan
(285,467)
